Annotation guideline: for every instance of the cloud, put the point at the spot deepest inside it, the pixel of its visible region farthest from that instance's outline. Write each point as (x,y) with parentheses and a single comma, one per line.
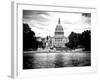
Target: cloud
(38,26)
(67,22)
(86,18)
(44,23)
(31,12)
(86,15)
(29,15)
(40,23)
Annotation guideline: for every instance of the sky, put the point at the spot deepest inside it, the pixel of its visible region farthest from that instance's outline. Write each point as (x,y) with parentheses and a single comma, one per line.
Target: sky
(43,23)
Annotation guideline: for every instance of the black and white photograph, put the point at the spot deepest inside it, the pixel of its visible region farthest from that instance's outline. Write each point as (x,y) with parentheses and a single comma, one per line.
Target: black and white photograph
(56,39)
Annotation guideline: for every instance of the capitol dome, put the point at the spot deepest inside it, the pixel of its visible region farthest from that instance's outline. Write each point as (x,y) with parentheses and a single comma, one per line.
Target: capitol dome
(59,40)
(59,29)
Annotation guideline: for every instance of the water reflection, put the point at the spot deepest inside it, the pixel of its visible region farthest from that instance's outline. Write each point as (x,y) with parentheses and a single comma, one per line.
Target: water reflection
(28,61)
(55,60)
(59,61)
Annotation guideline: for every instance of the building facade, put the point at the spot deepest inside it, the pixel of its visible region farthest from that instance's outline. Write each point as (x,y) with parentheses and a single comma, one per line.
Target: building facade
(59,40)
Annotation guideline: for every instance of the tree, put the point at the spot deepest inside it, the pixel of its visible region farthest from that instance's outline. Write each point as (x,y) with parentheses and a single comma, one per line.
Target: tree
(40,44)
(86,40)
(29,39)
(80,40)
(73,40)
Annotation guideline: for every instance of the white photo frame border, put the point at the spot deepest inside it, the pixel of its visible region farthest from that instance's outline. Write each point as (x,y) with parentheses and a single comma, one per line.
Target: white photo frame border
(17,47)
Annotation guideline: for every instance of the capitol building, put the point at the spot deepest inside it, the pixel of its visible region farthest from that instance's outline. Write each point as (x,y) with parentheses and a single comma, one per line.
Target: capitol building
(58,40)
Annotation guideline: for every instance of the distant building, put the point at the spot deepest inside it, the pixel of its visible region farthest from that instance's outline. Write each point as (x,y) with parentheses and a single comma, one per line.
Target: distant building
(39,39)
(59,40)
